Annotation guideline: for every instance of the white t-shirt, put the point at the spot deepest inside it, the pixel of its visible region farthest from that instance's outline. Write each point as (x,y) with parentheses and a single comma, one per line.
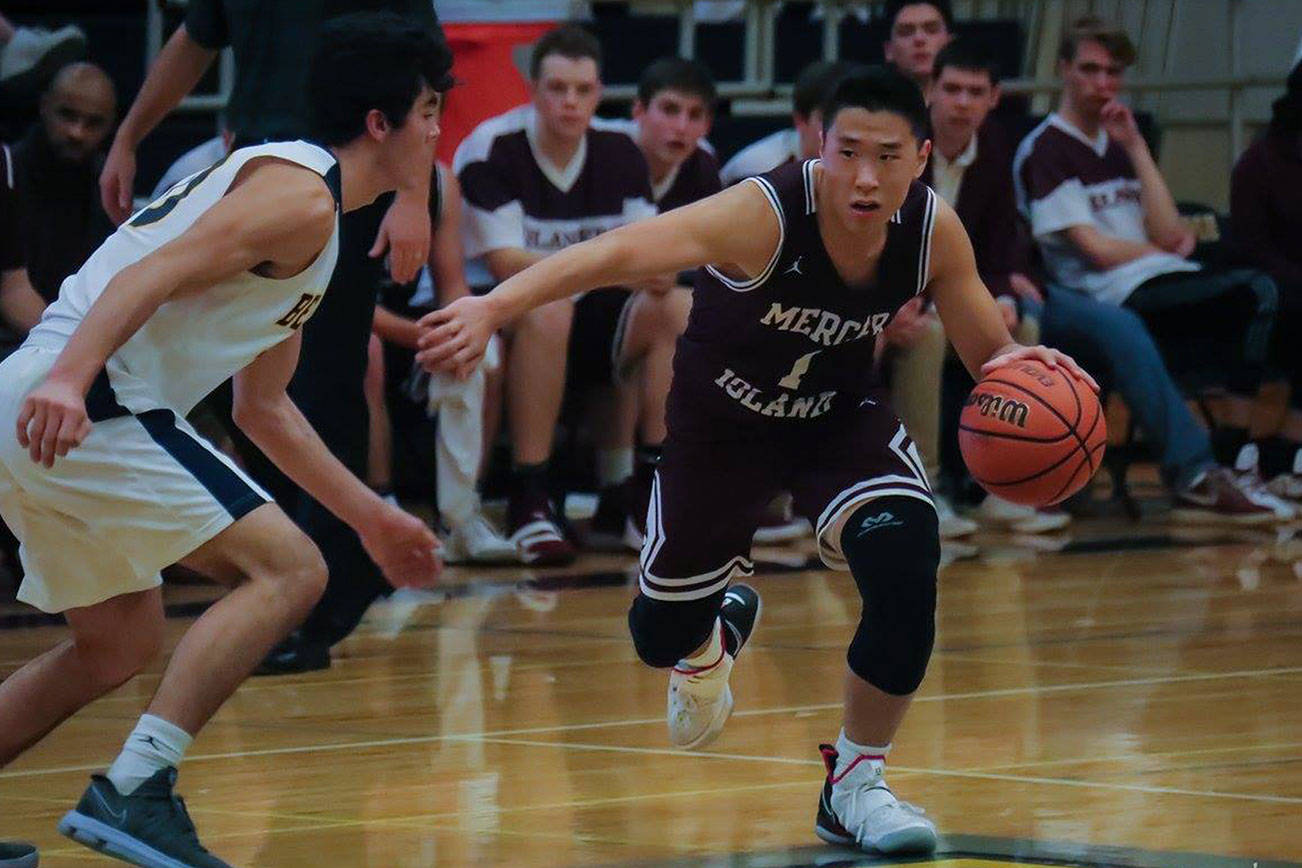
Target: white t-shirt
(1064,179)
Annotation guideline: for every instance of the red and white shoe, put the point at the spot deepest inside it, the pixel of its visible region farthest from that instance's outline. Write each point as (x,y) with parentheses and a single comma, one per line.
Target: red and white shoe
(536,532)
(859,810)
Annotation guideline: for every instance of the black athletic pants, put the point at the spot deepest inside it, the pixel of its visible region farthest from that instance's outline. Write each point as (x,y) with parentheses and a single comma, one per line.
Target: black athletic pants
(327,387)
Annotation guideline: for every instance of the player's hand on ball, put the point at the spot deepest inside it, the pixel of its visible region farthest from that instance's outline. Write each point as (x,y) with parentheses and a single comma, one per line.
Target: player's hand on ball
(1050,357)
(453,338)
(52,422)
(404,548)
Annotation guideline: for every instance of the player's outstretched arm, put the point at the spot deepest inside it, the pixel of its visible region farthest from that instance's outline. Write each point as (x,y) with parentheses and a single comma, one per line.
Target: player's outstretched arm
(277,214)
(401,545)
(735,229)
(970,314)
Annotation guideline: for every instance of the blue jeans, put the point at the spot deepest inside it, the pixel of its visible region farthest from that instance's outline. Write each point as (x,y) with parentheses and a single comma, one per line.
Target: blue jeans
(1114,344)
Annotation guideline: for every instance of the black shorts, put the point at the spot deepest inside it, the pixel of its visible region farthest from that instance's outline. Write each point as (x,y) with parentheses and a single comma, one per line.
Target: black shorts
(708,496)
(597,337)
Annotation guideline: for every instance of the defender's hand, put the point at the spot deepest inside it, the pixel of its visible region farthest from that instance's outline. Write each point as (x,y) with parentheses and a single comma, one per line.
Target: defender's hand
(405,233)
(116,181)
(404,549)
(52,422)
(453,338)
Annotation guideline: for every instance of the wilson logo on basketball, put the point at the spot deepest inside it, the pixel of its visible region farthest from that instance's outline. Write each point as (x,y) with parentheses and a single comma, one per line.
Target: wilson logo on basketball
(999,407)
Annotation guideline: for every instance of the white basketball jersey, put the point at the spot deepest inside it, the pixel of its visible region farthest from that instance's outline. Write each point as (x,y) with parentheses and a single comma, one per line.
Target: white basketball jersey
(194,343)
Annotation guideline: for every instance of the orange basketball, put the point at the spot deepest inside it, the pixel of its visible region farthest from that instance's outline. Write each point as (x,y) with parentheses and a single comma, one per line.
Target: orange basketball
(1032,435)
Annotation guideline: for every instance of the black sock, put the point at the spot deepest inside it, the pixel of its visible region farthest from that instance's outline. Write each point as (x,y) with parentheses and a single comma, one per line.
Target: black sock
(530,477)
(1277,456)
(1226,443)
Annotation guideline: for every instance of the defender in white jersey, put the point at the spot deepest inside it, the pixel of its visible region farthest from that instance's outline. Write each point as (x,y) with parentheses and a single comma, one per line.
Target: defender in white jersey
(105,483)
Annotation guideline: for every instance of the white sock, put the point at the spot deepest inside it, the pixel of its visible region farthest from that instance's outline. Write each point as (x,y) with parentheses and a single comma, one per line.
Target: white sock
(868,761)
(614,465)
(710,655)
(154,744)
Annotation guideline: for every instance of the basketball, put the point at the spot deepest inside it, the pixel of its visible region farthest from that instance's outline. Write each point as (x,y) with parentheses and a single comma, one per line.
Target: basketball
(1031,434)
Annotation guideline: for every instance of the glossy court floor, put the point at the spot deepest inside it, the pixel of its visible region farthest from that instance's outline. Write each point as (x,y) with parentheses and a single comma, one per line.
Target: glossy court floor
(1133,699)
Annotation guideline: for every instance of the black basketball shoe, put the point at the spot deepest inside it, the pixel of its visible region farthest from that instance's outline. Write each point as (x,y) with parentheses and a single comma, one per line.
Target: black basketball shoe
(740,613)
(18,854)
(150,827)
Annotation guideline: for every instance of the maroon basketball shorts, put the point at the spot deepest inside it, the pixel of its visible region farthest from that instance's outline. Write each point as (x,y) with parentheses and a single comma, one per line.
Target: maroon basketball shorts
(597,337)
(708,496)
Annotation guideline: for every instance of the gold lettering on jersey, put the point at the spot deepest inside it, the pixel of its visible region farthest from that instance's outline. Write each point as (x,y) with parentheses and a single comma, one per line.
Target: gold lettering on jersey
(299,313)
(784,406)
(822,326)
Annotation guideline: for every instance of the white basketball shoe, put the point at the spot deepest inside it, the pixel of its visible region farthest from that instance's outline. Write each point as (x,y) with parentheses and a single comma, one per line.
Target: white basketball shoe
(859,810)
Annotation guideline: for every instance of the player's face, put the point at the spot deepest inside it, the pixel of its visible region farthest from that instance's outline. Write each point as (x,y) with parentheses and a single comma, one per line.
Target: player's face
(566,95)
(412,145)
(869,160)
(671,125)
(918,35)
(1092,78)
(77,120)
(960,101)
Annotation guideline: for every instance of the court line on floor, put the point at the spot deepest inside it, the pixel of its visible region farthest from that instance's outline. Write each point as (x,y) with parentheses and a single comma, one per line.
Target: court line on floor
(1167,754)
(913,770)
(755,712)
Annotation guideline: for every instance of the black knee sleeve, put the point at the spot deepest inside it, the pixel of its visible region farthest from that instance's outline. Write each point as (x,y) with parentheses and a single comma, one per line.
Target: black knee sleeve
(666,631)
(893,547)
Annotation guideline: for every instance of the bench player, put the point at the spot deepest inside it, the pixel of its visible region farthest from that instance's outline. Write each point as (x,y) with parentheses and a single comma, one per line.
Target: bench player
(105,483)
(772,389)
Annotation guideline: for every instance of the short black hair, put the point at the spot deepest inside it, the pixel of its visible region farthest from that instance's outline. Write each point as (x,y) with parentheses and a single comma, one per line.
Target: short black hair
(879,89)
(372,60)
(815,83)
(1092,28)
(967,55)
(893,7)
(1286,112)
(675,73)
(570,41)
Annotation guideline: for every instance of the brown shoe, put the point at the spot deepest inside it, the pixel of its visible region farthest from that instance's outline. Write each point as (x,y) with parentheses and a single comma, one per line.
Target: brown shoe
(1216,497)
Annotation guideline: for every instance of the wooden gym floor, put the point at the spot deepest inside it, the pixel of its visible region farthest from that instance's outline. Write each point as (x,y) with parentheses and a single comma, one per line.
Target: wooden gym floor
(1133,699)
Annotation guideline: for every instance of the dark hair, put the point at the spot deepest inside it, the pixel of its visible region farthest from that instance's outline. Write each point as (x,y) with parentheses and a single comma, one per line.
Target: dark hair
(815,83)
(1091,28)
(675,73)
(371,60)
(1286,112)
(570,41)
(893,8)
(967,55)
(879,89)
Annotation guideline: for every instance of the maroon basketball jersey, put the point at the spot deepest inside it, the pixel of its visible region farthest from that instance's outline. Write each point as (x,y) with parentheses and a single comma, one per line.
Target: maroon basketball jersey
(795,342)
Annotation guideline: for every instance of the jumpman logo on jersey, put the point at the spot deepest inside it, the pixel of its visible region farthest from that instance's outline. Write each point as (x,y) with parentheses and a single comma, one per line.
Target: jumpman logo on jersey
(794,268)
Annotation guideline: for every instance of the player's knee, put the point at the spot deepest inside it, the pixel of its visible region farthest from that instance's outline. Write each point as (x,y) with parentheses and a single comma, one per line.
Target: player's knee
(110,663)
(893,548)
(307,580)
(665,632)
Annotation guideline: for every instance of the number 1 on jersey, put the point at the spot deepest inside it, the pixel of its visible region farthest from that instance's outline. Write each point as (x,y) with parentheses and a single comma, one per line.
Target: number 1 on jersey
(798,370)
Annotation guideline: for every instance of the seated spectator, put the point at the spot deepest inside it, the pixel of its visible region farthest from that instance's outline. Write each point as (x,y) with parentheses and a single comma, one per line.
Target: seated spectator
(535,180)
(20,306)
(971,169)
(56,172)
(918,31)
(801,142)
(1266,218)
(1111,238)
(198,158)
(30,55)
(460,441)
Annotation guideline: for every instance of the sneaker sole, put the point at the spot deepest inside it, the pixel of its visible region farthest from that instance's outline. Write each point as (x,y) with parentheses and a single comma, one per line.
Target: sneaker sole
(786,533)
(904,841)
(1188,515)
(105,839)
(29,859)
(716,725)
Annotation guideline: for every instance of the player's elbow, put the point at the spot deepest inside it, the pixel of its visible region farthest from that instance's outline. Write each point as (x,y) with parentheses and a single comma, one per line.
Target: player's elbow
(256,418)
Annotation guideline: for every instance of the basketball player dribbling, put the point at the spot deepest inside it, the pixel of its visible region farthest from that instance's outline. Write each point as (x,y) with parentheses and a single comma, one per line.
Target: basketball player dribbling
(772,389)
(105,483)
